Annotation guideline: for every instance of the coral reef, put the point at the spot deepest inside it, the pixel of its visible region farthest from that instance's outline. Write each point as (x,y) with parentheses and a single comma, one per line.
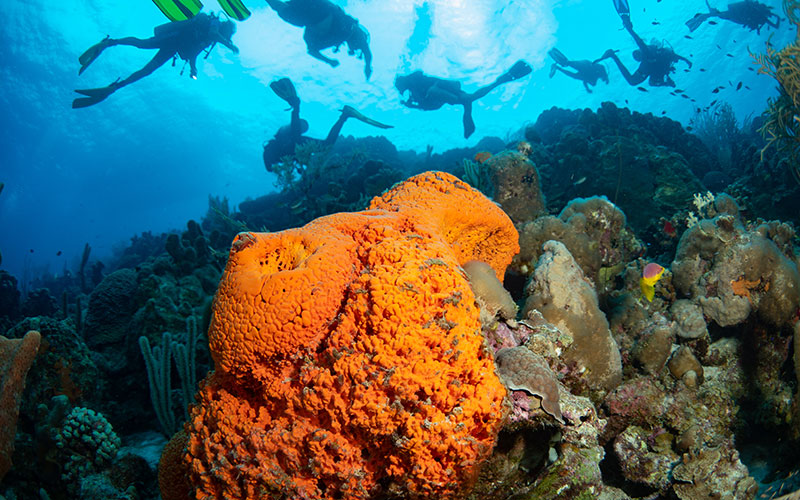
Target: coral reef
(348,362)
(566,299)
(729,270)
(593,230)
(16,357)
(88,442)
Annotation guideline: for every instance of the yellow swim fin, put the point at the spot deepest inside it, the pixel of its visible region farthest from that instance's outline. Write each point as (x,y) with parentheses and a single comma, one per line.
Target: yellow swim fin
(179,10)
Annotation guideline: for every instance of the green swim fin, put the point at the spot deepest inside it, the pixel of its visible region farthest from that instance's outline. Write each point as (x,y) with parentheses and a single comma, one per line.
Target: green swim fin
(93,96)
(284,88)
(179,10)
(235,9)
(352,112)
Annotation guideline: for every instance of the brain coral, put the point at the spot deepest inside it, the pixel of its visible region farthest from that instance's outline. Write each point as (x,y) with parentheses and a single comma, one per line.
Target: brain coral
(348,357)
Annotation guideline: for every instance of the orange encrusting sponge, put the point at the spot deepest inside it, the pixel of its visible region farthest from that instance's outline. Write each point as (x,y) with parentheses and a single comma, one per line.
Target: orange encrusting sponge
(348,356)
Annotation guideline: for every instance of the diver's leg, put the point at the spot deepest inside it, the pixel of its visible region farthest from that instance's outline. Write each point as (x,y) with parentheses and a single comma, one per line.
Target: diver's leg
(140,43)
(517,71)
(469,125)
(632,79)
(156,62)
(571,74)
(336,129)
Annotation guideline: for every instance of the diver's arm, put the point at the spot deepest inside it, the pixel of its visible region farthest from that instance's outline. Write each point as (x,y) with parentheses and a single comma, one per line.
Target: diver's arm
(193,67)
(367,61)
(228,43)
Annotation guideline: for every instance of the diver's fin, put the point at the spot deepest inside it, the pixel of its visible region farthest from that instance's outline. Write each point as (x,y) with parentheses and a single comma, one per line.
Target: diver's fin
(93,96)
(284,88)
(558,56)
(518,70)
(91,54)
(352,112)
(696,21)
(179,10)
(235,9)
(622,7)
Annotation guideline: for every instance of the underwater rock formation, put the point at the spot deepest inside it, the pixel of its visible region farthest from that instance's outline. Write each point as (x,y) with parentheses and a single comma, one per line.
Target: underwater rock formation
(348,359)
(730,271)
(592,229)
(559,290)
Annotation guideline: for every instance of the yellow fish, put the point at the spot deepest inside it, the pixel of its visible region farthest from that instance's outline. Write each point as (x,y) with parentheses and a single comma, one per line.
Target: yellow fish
(651,274)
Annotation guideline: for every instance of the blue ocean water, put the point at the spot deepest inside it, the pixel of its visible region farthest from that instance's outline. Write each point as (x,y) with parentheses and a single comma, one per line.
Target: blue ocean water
(149,156)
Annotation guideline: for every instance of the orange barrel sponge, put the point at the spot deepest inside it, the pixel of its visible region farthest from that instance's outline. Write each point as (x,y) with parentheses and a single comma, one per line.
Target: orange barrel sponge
(475,229)
(349,362)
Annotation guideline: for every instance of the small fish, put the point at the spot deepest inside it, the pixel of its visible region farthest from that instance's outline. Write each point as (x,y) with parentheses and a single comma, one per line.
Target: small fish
(712,23)
(626,101)
(715,91)
(482,156)
(642,89)
(689,128)
(650,275)
(697,110)
(729,54)
(685,96)
(703,70)
(750,68)
(672,93)
(720,48)
(31,250)
(739,86)
(748,88)
(712,103)
(687,36)
(656,23)
(58,254)
(679,91)
(664,112)
(579,181)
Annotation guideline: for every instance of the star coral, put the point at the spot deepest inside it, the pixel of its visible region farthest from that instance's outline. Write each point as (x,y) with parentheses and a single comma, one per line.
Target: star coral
(348,357)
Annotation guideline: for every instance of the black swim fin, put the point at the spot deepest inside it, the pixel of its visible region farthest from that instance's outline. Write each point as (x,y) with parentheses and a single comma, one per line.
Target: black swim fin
(352,112)
(91,54)
(518,70)
(558,56)
(93,96)
(696,21)
(284,88)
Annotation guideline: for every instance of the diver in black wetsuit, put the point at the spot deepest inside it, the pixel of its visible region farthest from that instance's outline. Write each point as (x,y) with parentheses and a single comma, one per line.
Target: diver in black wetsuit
(749,13)
(326,25)
(586,71)
(184,39)
(430,93)
(288,137)
(656,61)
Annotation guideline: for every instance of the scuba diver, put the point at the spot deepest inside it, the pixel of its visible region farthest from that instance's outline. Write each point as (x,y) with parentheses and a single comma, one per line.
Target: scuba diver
(185,39)
(656,61)
(326,25)
(749,13)
(288,137)
(586,71)
(430,93)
